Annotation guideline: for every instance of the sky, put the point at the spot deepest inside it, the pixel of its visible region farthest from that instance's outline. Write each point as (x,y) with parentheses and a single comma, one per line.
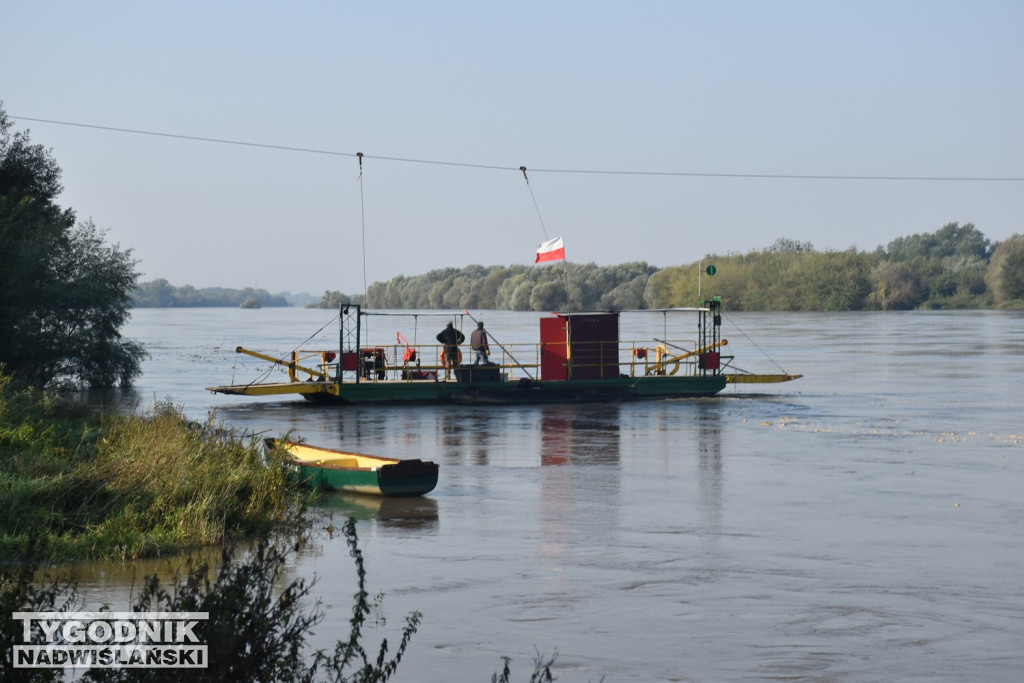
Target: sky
(651,131)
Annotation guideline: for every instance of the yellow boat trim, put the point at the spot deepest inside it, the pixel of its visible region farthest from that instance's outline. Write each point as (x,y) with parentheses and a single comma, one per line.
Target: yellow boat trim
(277,388)
(759,379)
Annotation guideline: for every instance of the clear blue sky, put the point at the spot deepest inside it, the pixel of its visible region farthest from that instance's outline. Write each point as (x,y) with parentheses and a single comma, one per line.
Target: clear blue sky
(895,88)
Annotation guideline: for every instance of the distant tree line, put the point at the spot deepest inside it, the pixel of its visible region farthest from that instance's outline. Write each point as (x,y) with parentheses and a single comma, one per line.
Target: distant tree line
(160,293)
(562,286)
(335,299)
(954,267)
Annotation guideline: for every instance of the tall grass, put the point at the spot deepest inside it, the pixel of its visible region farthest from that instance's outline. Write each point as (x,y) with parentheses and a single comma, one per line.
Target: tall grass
(128,486)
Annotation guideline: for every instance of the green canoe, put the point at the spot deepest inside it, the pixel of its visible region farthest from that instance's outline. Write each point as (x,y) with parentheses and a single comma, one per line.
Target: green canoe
(335,470)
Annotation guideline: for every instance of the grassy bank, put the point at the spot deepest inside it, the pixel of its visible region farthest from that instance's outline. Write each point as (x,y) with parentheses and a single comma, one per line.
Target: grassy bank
(75,484)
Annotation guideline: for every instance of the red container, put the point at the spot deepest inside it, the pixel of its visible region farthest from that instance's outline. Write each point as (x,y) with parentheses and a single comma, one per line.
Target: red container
(579,346)
(710,360)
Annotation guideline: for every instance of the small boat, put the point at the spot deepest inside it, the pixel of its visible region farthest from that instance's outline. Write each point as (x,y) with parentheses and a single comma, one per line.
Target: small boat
(335,470)
(580,358)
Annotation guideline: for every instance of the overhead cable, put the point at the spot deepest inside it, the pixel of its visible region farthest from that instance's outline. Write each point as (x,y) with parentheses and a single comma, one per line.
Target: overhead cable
(497,167)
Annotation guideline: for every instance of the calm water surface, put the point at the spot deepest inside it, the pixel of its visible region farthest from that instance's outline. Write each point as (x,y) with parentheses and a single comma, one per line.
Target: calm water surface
(863,523)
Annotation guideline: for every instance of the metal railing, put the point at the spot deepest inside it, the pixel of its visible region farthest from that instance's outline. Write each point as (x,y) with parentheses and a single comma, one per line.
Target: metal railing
(397,362)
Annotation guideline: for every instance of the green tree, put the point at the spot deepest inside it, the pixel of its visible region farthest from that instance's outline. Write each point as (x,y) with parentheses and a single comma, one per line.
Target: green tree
(547,296)
(1013,272)
(896,287)
(332,299)
(155,294)
(489,287)
(951,265)
(838,280)
(964,241)
(785,245)
(64,293)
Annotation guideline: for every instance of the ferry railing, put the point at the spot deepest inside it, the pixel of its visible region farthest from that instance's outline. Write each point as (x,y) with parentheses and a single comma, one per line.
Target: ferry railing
(399,362)
(603,359)
(588,360)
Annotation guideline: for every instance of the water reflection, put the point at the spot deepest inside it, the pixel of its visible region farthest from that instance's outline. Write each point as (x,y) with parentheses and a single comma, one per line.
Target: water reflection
(112,399)
(116,584)
(417,513)
(580,435)
(580,485)
(709,467)
(452,430)
(480,426)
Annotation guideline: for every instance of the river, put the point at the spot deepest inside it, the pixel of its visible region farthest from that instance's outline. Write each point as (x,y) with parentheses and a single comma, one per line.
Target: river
(863,523)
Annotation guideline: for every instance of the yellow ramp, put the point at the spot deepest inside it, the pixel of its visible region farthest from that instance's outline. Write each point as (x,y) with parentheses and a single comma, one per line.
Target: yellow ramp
(759,379)
(276,388)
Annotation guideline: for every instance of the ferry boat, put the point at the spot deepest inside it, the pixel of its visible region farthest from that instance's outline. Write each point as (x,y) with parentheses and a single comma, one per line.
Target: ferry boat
(580,358)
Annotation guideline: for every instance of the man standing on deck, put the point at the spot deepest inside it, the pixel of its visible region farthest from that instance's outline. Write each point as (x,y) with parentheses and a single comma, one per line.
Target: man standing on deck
(478,342)
(450,338)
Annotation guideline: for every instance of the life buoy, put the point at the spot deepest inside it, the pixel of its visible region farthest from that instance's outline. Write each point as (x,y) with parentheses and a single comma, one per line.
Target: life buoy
(444,358)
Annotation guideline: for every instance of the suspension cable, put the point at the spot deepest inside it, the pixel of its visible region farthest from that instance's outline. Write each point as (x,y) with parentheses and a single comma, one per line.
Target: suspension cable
(362,219)
(749,339)
(535,205)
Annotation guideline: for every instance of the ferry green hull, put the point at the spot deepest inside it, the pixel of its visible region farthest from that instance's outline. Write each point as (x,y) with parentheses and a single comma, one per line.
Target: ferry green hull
(378,483)
(521,392)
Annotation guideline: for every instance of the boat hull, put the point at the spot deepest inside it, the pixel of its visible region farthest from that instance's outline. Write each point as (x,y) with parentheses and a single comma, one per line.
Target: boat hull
(523,392)
(332,470)
(415,478)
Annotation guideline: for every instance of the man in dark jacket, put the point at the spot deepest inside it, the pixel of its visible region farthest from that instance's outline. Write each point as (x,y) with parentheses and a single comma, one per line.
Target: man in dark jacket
(450,338)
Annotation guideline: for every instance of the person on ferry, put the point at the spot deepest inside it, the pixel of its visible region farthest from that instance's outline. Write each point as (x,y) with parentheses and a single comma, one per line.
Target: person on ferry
(450,338)
(478,342)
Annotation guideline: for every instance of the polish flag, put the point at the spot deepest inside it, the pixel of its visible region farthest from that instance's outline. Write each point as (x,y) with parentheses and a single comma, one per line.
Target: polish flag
(552,250)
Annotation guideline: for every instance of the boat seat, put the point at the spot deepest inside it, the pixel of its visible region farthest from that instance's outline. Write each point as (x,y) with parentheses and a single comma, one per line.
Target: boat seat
(339,462)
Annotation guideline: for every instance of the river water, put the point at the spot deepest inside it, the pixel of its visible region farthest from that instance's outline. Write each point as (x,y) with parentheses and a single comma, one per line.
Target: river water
(863,523)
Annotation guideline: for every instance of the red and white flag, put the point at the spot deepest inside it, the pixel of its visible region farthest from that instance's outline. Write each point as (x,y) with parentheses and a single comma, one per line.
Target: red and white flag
(552,250)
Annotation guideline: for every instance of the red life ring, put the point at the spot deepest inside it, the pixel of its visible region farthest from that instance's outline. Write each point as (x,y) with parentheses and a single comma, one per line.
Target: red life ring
(444,358)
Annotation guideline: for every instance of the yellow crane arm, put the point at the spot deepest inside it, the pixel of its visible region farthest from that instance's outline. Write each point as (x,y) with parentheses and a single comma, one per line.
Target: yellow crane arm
(663,362)
(292,365)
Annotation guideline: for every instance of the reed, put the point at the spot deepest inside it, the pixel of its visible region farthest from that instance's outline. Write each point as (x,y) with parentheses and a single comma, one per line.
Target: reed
(127,486)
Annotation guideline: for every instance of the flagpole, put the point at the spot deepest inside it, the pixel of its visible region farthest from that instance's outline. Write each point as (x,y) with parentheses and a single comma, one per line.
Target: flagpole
(554,250)
(565,277)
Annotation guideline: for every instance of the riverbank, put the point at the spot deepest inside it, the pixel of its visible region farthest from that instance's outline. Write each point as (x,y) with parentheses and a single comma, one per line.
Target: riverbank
(80,484)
